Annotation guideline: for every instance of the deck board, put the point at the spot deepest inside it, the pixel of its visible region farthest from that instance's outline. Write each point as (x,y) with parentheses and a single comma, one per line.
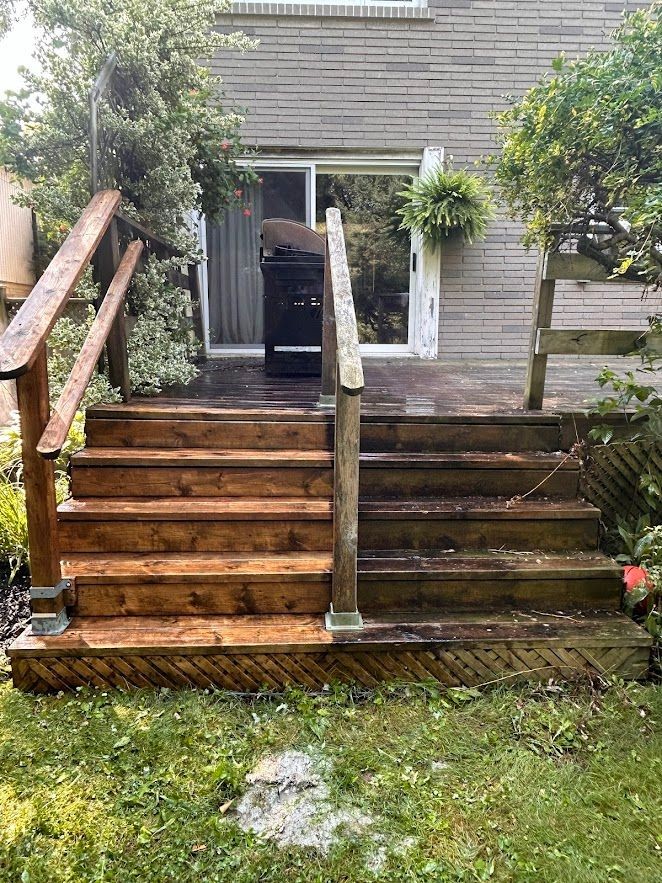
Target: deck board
(401,386)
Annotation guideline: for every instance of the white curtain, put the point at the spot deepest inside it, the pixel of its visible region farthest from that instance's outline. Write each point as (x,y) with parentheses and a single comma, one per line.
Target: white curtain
(235,281)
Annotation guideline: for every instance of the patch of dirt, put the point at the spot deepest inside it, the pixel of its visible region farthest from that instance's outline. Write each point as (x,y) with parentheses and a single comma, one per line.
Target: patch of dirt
(288,801)
(14,606)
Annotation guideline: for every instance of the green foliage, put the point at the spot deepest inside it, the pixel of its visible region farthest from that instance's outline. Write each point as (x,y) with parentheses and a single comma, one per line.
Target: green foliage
(642,547)
(445,201)
(165,140)
(534,785)
(583,146)
(7,15)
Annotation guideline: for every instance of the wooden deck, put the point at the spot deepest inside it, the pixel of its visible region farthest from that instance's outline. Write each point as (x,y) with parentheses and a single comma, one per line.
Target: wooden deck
(403,386)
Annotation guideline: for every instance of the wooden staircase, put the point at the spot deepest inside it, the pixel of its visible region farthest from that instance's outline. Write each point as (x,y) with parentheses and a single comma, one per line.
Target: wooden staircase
(198,544)
(248,548)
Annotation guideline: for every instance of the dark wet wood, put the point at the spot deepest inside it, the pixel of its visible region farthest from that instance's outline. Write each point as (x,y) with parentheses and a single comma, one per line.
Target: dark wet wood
(401,388)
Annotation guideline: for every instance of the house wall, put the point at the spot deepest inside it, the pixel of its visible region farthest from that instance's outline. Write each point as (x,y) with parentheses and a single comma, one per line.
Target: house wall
(360,78)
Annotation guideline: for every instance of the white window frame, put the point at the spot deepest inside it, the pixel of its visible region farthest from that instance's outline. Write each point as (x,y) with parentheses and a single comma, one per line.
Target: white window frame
(423,324)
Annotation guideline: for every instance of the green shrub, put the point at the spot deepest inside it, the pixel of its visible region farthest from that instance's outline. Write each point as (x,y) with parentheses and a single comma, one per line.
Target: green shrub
(445,201)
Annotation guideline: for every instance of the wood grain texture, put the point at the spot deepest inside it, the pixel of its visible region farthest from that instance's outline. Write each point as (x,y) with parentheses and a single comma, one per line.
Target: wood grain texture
(26,336)
(285,535)
(329,341)
(229,653)
(222,481)
(350,369)
(185,433)
(346,500)
(112,306)
(38,474)
(600,342)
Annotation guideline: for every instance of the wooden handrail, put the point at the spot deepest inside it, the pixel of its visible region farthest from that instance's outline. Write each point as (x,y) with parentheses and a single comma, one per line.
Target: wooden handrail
(55,434)
(342,382)
(27,334)
(350,368)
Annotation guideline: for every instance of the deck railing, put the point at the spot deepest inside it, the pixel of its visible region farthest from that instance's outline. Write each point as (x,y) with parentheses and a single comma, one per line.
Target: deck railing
(342,381)
(23,355)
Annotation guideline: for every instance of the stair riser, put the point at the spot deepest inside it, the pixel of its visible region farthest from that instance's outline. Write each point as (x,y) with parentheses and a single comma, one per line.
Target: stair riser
(445,533)
(195,536)
(450,437)
(274,435)
(384,596)
(446,596)
(236,435)
(387,483)
(422,483)
(149,599)
(144,481)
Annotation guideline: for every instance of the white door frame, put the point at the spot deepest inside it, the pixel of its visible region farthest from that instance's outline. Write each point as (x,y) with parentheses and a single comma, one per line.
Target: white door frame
(424,278)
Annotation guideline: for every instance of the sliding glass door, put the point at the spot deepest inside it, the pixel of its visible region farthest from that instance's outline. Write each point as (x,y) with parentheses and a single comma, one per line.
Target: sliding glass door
(235,315)
(379,254)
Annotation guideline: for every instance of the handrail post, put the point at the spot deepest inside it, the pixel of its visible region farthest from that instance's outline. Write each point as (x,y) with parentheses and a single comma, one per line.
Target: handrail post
(543,307)
(344,613)
(49,615)
(329,344)
(106,262)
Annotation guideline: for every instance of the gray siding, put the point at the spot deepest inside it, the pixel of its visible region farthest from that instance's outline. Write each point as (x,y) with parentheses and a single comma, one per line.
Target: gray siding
(359,82)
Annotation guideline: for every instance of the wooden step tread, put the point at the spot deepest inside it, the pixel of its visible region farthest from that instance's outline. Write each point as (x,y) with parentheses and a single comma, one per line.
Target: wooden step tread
(275,508)
(178,635)
(204,457)
(194,509)
(209,457)
(472,460)
(462,566)
(196,567)
(149,409)
(470,508)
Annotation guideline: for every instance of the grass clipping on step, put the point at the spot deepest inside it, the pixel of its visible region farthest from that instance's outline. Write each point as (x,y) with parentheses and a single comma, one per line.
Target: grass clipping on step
(406,784)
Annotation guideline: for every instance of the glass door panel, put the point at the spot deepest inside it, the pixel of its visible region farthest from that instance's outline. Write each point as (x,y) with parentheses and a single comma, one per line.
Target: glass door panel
(233,256)
(378,253)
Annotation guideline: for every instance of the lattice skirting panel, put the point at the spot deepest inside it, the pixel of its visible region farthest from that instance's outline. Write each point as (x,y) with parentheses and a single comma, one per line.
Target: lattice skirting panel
(469,667)
(610,478)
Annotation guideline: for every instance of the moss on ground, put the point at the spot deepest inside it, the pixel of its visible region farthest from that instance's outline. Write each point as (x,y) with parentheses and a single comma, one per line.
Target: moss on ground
(526,784)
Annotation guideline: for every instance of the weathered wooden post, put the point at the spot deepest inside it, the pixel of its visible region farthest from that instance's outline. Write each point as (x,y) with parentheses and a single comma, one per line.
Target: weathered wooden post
(106,261)
(543,307)
(49,614)
(329,344)
(344,613)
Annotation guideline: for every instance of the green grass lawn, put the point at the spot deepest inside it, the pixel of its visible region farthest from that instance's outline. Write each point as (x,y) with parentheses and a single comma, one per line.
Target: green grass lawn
(516,784)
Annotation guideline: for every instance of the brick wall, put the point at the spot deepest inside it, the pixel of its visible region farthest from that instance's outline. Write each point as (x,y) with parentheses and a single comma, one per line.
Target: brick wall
(356,80)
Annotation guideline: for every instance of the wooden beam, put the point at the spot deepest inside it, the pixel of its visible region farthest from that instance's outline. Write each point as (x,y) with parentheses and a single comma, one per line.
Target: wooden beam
(107,261)
(329,343)
(38,475)
(350,369)
(23,341)
(602,342)
(570,265)
(543,307)
(345,511)
(112,309)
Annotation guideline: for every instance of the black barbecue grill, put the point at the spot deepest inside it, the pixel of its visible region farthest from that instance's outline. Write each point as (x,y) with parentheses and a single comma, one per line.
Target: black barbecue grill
(292,264)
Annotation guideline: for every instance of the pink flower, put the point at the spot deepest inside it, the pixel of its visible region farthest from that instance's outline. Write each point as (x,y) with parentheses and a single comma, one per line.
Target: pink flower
(238,193)
(247,212)
(225,144)
(634,576)
(260,180)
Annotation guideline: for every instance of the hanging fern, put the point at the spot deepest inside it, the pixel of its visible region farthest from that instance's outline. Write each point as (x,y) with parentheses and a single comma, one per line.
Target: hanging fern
(445,201)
